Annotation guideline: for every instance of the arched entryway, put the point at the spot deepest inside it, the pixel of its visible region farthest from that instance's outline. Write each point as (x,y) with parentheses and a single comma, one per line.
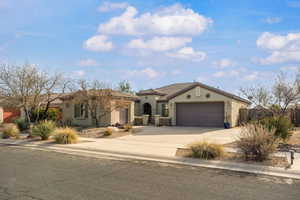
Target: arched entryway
(147,109)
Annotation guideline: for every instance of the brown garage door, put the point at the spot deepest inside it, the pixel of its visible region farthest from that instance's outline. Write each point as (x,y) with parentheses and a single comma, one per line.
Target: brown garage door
(200,114)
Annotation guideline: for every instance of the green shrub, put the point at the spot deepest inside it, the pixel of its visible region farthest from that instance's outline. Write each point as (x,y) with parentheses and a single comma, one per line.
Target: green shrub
(108,132)
(206,150)
(22,124)
(52,114)
(43,129)
(257,142)
(10,131)
(128,127)
(65,135)
(282,126)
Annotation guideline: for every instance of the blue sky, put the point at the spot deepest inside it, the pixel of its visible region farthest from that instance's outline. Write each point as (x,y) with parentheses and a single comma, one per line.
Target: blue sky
(226,44)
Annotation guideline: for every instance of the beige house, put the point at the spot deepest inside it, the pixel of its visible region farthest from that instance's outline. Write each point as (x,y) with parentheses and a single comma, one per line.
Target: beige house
(119,109)
(190,104)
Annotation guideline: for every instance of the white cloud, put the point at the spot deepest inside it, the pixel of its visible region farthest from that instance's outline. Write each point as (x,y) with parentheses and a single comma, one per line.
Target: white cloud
(290,68)
(173,20)
(147,72)
(283,48)
(252,76)
(225,62)
(98,43)
(273,20)
(79,73)
(159,43)
(231,73)
(108,6)
(88,63)
(275,42)
(188,53)
(281,57)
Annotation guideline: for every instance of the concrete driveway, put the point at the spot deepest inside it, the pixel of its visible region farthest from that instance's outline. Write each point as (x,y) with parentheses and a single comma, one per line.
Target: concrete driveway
(181,136)
(159,141)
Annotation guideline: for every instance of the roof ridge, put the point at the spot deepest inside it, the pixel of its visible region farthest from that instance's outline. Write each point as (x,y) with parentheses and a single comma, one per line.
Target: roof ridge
(174,84)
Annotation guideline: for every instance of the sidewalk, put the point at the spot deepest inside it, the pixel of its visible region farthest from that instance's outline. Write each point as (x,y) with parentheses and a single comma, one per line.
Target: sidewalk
(155,153)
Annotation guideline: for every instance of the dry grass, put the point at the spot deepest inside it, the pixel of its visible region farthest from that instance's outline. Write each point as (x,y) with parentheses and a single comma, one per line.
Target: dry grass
(206,150)
(108,132)
(65,136)
(257,142)
(128,127)
(10,131)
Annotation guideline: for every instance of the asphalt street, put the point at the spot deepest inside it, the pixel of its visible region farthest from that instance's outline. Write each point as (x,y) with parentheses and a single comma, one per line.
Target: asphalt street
(32,174)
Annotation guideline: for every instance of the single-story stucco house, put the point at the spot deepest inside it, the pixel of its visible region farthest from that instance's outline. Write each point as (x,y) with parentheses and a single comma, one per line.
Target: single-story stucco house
(76,112)
(179,104)
(191,104)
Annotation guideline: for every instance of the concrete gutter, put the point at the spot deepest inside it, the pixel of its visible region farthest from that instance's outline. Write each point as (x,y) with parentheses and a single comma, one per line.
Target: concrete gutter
(224,165)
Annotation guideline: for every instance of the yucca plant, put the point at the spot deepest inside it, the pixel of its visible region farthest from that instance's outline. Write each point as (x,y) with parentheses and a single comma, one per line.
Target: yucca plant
(43,129)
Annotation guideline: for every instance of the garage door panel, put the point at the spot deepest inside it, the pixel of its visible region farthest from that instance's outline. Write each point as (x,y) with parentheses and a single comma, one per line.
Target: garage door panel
(200,114)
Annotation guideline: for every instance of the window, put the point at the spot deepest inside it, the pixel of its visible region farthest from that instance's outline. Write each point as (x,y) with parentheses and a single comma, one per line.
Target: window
(197,91)
(81,110)
(165,110)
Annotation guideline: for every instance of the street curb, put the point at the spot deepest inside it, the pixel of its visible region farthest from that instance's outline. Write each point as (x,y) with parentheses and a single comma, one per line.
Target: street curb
(223,165)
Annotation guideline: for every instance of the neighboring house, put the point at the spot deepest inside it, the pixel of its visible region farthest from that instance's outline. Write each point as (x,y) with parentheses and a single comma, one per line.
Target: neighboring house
(76,112)
(191,104)
(8,112)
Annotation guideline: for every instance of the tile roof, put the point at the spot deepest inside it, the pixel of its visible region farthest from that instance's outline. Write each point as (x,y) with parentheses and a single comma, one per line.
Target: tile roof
(170,91)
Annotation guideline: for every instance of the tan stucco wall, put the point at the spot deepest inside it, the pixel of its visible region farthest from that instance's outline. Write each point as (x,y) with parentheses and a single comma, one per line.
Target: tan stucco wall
(1,115)
(108,119)
(231,106)
(151,99)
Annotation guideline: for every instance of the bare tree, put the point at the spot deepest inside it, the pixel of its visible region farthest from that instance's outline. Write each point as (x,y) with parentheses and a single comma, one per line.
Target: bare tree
(99,99)
(283,94)
(257,95)
(28,88)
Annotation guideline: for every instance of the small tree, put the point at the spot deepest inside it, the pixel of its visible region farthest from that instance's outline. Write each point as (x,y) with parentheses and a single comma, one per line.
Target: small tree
(99,98)
(124,86)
